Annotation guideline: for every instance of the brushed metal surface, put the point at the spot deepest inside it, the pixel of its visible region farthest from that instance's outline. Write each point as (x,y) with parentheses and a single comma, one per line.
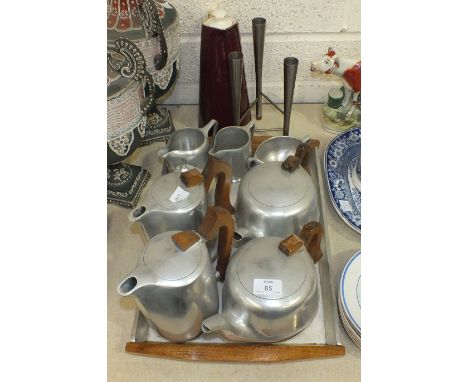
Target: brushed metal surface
(157,213)
(249,317)
(276,149)
(275,202)
(233,145)
(174,290)
(188,146)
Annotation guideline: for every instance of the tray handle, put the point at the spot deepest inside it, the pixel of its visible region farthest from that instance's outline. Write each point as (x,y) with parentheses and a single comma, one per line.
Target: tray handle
(255,353)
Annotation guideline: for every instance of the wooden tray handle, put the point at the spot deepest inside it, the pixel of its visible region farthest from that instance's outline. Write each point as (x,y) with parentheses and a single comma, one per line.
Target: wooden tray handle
(219,222)
(223,172)
(311,234)
(253,353)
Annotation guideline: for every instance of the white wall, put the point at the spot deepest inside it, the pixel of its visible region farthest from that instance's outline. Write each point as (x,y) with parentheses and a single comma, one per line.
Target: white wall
(299,28)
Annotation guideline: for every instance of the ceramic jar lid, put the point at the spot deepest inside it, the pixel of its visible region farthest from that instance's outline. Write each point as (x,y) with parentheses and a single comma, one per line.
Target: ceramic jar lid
(219,19)
(167,262)
(262,265)
(169,193)
(272,186)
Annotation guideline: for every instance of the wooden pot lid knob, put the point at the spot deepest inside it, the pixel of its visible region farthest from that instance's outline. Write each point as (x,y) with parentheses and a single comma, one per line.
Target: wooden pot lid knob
(192,178)
(290,245)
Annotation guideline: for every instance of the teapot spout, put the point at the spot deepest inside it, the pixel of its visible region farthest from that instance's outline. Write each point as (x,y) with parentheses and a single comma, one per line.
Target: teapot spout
(135,281)
(128,286)
(231,329)
(137,214)
(215,324)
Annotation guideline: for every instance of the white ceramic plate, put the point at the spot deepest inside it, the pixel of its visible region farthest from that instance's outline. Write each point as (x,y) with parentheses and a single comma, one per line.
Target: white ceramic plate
(348,319)
(355,337)
(350,325)
(350,290)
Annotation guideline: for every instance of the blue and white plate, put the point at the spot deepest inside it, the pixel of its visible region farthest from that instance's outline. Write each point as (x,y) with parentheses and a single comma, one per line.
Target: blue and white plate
(342,157)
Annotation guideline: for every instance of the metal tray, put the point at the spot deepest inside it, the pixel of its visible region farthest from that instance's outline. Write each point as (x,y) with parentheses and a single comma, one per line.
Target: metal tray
(320,339)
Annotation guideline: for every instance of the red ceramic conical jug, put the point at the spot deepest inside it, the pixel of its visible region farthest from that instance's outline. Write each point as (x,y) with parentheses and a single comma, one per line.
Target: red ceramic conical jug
(219,37)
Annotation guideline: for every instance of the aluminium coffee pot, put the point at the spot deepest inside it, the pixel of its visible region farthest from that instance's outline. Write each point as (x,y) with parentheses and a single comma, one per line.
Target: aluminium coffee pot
(277,198)
(179,200)
(189,145)
(174,282)
(271,290)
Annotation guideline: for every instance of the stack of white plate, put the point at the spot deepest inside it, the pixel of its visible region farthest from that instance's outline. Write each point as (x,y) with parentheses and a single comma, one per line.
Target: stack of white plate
(349,298)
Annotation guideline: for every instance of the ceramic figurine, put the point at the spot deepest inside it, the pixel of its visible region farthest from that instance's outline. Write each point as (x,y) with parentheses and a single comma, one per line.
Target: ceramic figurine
(342,110)
(153,25)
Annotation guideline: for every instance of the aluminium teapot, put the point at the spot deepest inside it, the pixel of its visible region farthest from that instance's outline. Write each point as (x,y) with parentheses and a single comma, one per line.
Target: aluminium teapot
(277,198)
(271,288)
(174,282)
(179,200)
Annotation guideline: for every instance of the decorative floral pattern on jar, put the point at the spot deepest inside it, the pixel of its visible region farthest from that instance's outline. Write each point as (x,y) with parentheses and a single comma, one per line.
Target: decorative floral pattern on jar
(126,104)
(157,37)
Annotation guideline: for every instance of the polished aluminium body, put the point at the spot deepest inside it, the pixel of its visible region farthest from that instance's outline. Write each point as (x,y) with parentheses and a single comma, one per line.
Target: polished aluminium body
(233,144)
(175,284)
(164,208)
(173,204)
(174,290)
(274,202)
(275,149)
(251,316)
(188,146)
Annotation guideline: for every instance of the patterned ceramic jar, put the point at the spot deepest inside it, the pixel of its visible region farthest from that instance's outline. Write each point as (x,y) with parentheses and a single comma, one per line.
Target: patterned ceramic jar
(153,25)
(126,103)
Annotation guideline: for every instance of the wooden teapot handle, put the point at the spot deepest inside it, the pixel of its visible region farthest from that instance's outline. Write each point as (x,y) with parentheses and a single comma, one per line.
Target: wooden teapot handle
(311,234)
(219,222)
(223,171)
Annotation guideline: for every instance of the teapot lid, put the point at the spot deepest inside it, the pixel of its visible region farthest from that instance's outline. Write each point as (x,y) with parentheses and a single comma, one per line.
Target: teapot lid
(169,192)
(268,273)
(166,261)
(219,19)
(272,186)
